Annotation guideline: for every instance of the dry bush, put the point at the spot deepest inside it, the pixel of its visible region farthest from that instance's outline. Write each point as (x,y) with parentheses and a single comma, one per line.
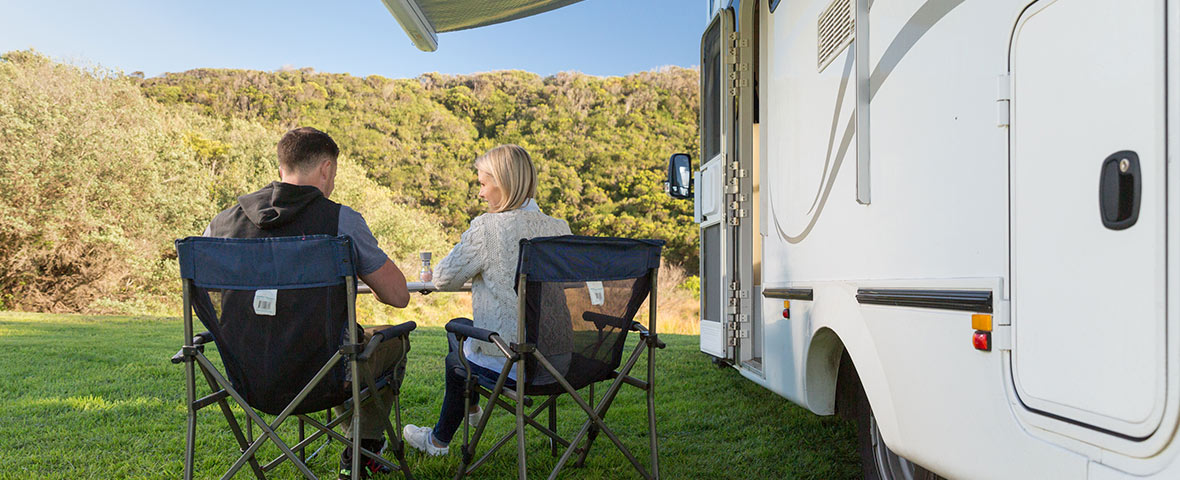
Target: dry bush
(92,178)
(679,308)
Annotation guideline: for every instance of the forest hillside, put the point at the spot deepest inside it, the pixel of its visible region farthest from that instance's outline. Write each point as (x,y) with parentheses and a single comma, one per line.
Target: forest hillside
(100,171)
(600,144)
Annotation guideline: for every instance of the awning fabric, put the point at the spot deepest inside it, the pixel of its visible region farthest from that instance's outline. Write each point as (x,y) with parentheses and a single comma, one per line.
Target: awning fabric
(452,15)
(422,19)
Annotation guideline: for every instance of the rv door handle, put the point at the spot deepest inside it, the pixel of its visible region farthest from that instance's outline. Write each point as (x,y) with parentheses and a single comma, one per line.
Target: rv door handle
(1120,188)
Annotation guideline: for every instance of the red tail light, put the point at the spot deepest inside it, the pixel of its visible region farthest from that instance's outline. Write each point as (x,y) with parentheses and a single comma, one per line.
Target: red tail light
(982,340)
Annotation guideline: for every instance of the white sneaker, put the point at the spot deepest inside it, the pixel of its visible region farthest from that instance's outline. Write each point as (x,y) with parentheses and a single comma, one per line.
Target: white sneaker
(420,438)
(473,418)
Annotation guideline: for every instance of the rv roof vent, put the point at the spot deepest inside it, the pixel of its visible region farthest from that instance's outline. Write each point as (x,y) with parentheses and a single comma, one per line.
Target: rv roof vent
(835,31)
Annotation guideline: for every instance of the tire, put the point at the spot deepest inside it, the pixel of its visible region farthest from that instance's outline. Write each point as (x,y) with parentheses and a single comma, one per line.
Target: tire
(876,459)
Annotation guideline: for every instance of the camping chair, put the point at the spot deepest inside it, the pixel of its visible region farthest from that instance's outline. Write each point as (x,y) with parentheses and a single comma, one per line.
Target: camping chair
(285,354)
(577,298)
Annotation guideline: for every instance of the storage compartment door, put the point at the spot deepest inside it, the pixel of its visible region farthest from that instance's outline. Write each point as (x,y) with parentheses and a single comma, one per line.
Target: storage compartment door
(1087,155)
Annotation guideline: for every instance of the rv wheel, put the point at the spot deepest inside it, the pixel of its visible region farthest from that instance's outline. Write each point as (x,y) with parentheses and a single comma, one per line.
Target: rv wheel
(876,459)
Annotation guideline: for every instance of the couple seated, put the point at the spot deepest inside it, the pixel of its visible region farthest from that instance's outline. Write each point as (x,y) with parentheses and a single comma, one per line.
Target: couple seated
(486,255)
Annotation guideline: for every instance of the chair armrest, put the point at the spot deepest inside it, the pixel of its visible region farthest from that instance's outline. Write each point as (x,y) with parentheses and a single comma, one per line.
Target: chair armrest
(398,330)
(646,335)
(390,332)
(199,341)
(463,327)
(203,338)
(601,321)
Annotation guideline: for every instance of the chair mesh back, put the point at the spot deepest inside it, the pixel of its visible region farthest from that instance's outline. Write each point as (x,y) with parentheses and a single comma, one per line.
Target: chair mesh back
(581,296)
(270,358)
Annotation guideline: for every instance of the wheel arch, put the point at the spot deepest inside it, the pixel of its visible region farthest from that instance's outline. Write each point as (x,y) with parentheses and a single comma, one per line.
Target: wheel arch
(835,362)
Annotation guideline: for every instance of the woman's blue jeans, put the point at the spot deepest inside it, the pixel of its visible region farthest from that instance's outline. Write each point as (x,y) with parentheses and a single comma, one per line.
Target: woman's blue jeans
(453,409)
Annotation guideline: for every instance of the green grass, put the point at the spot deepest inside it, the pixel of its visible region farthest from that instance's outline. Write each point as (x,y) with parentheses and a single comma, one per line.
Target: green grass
(95,397)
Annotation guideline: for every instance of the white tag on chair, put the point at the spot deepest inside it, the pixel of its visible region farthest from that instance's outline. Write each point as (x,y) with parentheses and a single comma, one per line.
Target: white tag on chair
(264,302)
(597,297)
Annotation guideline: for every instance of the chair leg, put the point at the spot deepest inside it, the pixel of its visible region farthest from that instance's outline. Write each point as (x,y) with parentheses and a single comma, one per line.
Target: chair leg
(399,445)
(302,436)
(394,435)
(651,412)
(585,451)
(553,426)
(234,427)
(356,421)
(594,418)
(469,448)
(190,437)
(267,431)
(521,456)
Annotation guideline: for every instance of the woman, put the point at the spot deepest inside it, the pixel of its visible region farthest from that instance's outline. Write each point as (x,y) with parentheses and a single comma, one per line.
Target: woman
(486,255)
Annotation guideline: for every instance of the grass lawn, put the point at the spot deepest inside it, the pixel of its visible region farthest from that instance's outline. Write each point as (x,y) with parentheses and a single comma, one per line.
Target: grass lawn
(96,397)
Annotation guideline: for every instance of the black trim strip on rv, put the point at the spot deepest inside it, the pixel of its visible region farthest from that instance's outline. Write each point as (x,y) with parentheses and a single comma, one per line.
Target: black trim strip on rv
(788,293)
(963,300)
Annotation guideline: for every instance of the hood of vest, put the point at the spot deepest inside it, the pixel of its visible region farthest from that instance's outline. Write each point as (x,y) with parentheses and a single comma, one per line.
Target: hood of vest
(277,204)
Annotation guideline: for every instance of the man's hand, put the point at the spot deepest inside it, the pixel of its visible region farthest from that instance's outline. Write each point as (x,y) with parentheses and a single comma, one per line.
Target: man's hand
(388,285)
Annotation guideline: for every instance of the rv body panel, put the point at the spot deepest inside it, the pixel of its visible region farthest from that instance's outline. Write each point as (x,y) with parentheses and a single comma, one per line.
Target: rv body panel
(939,220)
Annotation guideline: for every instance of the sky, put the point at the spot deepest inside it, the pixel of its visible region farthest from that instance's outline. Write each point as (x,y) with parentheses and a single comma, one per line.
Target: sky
(360,37)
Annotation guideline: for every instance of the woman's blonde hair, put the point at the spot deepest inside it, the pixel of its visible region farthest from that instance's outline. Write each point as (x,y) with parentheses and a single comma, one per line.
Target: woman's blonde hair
(512,170)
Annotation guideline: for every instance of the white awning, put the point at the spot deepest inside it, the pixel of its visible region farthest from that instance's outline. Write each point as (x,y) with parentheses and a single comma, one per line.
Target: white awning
(423,20)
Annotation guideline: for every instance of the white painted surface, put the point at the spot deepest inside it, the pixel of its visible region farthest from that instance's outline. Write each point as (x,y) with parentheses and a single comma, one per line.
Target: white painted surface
(710,189)
(1089,306)
(712,337)
(939,218)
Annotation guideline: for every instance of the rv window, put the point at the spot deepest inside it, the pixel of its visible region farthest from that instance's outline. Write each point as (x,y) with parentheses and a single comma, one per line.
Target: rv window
(711,284)
(711,89)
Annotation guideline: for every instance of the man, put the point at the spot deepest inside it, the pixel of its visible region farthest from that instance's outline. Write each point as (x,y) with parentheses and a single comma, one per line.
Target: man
(298,205)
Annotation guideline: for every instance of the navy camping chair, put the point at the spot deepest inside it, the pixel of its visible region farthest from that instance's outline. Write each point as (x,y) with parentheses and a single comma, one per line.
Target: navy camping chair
(281,312)
(578,297)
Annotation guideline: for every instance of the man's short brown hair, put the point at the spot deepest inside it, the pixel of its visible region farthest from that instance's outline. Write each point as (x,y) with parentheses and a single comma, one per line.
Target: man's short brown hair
(304,148)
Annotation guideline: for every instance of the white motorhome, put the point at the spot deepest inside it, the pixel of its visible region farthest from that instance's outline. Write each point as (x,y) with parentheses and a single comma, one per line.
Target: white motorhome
(951,220)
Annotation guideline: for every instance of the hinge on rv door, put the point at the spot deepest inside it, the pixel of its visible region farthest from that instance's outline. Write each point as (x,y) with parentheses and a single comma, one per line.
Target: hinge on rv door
(1002,337)
(1003,100)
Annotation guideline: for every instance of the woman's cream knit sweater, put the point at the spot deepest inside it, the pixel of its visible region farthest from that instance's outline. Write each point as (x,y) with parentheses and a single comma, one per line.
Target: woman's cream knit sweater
(486,255)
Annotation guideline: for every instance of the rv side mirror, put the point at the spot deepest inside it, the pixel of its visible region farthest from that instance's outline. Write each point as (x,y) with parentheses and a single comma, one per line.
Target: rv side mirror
(679,184)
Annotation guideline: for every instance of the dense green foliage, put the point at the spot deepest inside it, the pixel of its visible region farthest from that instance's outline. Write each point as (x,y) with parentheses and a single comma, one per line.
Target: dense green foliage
(95,397)
(96,181)
(600,144)
(100,172)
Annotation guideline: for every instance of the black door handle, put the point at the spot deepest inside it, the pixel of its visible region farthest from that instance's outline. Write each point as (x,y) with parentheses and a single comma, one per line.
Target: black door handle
(1120,188)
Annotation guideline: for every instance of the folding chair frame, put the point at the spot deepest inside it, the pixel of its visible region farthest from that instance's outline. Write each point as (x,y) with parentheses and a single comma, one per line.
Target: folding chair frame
(192,354)
(517,355)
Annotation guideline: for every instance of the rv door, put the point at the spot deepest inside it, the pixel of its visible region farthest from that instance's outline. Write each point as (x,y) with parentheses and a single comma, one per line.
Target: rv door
(716,125)
(1088,173)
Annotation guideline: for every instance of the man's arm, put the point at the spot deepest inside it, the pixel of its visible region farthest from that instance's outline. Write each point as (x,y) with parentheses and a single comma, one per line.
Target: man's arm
(372,265)
(388,285)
